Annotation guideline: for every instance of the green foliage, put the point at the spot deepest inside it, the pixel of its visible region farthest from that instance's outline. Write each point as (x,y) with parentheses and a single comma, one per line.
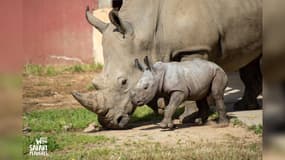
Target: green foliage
(62,140)
(50,124)
(47,70)
(54,120)
(257,129)
(236,122)
(143,114)
(90,87)
(33,69)
(149,150)
(31,140)
(51,71)
(70,145)
(214,116)
(80,68)
(75,69)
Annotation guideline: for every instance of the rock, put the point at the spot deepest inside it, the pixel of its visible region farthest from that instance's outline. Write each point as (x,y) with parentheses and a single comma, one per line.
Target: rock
(26,130)
(92,128)
(67,127)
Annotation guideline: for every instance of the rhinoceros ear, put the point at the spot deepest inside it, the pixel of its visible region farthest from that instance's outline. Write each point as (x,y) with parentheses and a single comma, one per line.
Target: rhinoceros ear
(139,65)
(122,27)
(148,63)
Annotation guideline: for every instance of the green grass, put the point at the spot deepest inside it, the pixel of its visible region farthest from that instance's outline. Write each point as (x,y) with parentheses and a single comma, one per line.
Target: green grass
(143,114)
(79,68)
(48,70)
(49,123)
(257,129)
(69,145)
(151,150)
(236,122)
(54,120)
(64,141)
(90,87)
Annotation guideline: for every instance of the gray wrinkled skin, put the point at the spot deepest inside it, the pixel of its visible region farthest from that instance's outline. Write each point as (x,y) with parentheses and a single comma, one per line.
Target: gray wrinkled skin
(228,32)
(180,81)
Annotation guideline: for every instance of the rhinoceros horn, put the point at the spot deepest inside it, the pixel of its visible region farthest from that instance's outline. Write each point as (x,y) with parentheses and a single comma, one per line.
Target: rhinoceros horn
(92,101)
(97,23)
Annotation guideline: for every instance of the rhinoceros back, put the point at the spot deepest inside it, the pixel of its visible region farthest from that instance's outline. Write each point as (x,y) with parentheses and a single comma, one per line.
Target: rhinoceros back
(192,77)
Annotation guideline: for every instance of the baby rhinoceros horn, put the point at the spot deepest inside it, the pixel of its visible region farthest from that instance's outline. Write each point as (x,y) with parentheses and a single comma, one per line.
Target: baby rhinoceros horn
(93,101)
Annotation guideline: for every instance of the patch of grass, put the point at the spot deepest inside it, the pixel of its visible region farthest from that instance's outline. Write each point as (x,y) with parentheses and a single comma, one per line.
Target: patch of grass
(257,129)
(40,70)
(80,68)
(63,141)
(90,87)
(143,114)
(33,69)
(54,120)
(236,122)
(50,124)
(48,70)
(31,140)
(70,145)
(214,116)
(150,150)
(51,71)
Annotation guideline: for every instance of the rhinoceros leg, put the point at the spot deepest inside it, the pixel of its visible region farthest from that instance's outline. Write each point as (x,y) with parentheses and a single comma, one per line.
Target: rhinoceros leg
(158,105)
(204,110)
(219,85)
(190,112)
(176,100)
(252,78)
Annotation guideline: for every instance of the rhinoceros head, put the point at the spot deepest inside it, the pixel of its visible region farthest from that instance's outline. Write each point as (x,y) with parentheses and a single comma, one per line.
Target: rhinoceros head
(110,114)
(112,102)
(147,86)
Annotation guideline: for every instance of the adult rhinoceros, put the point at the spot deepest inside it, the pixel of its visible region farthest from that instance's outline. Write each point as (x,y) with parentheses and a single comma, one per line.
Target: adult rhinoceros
(228,32)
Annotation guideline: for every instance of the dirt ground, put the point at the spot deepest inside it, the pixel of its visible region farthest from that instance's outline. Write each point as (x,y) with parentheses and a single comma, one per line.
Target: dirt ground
(182,135)
(41,93)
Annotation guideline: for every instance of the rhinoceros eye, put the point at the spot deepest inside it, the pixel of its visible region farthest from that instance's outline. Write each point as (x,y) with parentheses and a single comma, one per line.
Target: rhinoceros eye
(145,87)
(124,82)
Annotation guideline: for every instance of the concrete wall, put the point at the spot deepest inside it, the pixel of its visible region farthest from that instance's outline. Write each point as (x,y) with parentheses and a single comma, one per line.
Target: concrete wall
(104,3)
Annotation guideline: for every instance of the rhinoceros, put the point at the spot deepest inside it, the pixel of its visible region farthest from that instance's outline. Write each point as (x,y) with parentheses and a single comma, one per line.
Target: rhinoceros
(227,32)
(191,80)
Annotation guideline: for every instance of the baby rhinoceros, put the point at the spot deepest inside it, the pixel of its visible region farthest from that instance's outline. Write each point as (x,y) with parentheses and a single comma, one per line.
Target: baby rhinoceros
(180,81)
